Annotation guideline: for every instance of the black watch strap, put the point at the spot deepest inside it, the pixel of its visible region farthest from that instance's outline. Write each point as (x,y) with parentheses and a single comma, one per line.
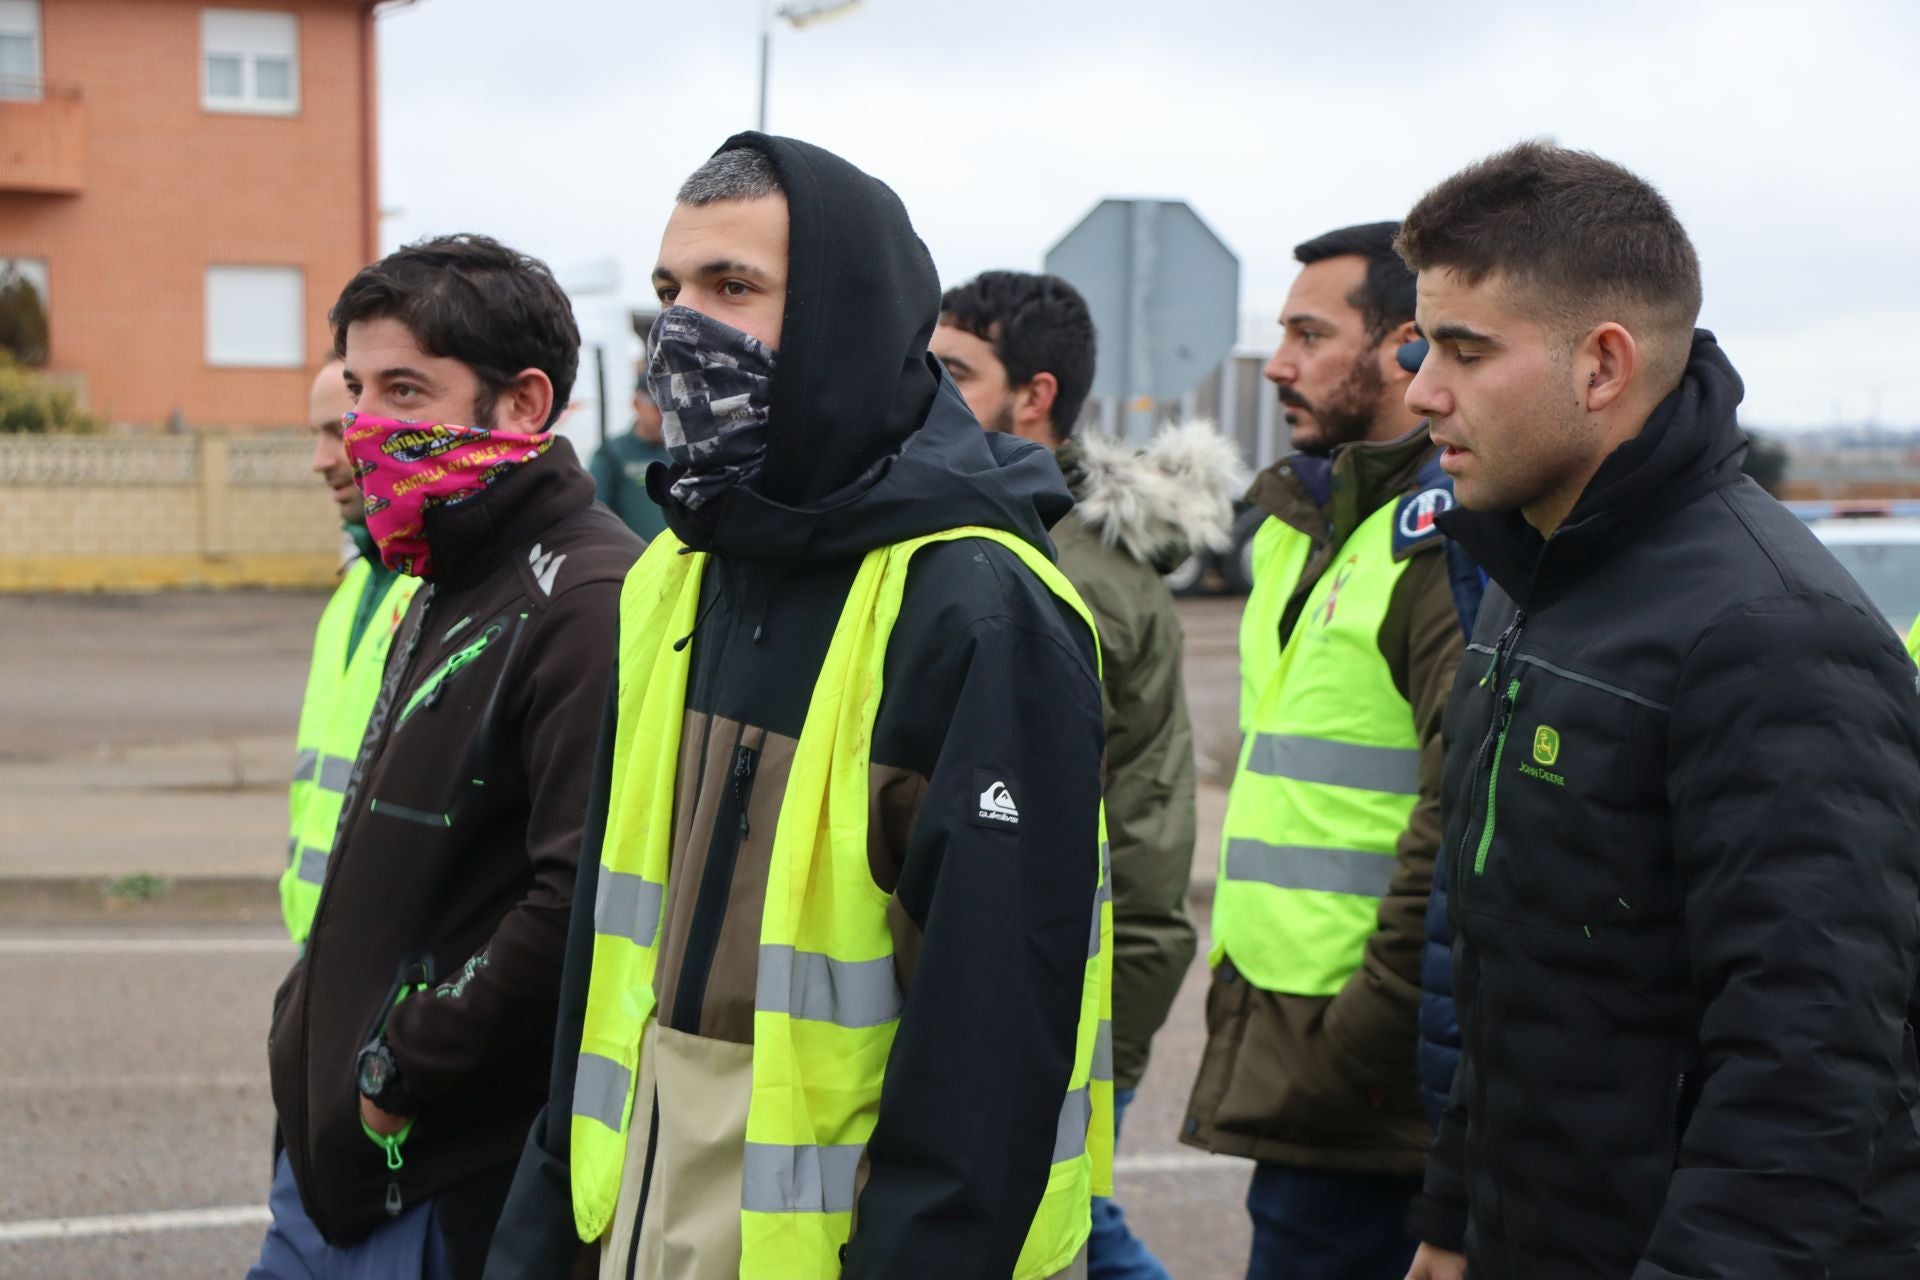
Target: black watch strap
(381,1082)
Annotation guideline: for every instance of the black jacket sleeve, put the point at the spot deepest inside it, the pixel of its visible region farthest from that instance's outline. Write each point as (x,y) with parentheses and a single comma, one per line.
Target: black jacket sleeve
(535,1238)
(1438,1215)
(1795,788)
(980,1066)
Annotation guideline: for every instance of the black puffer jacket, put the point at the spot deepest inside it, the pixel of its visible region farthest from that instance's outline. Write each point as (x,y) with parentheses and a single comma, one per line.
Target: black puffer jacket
(1684,764)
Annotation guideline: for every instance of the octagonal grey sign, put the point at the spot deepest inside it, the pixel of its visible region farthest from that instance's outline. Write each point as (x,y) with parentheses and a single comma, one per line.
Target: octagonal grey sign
(1164,291)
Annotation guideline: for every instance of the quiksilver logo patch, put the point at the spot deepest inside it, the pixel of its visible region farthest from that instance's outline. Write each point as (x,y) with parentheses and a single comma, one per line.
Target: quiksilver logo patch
(995,804)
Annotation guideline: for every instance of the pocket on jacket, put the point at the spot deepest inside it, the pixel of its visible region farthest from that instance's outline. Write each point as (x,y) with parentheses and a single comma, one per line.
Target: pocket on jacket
(443,744)
(1226,1023)
(1288,1082)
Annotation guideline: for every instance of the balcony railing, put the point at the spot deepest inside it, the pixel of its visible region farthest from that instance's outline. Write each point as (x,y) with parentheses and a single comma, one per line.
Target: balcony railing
(43,137)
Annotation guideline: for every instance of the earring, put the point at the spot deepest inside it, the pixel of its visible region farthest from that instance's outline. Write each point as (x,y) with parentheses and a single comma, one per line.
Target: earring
(1593,380)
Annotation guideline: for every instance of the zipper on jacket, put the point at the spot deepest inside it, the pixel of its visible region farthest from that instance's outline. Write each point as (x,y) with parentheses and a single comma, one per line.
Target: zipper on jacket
(716,884)
(391,1143)
(1490,744)
(415,975)
(402,669)
(1504,719)
(1673,1121)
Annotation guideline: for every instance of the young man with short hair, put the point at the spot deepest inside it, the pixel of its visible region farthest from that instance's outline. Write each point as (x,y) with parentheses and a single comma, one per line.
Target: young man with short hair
(1021,349)
(349,658)
(837,983)
(1348,646)
(1683,766)
(409,1046)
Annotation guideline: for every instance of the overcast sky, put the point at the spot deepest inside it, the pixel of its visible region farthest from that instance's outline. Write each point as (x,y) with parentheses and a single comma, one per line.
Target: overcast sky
(1787,135)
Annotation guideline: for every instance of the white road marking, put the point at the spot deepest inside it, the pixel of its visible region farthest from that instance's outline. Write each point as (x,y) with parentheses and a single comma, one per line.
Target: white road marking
(123,1224)
(145,946)
(1173,1163)
(126,1224)
(131,1082)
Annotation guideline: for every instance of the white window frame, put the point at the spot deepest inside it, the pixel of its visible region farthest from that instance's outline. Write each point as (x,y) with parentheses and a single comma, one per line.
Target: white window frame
(248,35)
(22,18)
(226,338)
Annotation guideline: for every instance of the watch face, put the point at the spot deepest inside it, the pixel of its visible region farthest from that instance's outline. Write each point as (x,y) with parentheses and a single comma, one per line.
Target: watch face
(376,1069)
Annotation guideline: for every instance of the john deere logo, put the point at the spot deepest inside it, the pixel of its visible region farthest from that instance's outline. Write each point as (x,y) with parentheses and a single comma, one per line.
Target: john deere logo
(1546,744)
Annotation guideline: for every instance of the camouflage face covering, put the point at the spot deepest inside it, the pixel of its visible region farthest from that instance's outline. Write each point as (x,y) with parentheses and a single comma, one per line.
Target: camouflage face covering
(713,384)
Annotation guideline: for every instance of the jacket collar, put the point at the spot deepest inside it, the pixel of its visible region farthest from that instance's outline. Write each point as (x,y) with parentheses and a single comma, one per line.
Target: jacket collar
(363,544)
(1328,498)
(1691,444)
(470,538)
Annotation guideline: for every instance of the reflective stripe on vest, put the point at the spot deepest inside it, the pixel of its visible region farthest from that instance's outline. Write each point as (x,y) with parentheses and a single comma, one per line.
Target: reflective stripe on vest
(827,1000)
(1329,769)
(333,719)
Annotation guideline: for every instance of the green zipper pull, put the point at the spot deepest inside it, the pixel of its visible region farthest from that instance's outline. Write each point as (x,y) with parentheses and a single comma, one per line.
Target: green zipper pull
(1505,721)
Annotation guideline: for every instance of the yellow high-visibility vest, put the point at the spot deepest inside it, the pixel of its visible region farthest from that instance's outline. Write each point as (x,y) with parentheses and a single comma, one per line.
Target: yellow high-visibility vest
(1329,769)
(341,690)
(818,1064)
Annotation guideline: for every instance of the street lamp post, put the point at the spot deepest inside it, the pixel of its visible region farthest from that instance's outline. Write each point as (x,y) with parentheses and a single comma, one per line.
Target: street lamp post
(799,16)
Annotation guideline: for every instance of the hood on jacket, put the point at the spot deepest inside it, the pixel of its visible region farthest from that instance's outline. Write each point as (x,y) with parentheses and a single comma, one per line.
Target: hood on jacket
(868,442)
(1692,440)
(1160,502)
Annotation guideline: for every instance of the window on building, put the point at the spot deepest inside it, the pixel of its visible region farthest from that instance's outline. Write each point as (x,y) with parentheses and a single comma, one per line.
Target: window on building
(250,61)
(20,49)
(25,333)
(256,317)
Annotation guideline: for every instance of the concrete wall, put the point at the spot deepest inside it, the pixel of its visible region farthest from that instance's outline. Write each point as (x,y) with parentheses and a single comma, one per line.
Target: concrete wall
(130,513)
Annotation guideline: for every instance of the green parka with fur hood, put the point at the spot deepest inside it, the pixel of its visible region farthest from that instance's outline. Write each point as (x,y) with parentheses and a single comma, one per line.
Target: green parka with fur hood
(1137,513)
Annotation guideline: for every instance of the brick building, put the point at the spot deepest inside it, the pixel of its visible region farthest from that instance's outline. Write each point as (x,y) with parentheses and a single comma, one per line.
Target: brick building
(188,185)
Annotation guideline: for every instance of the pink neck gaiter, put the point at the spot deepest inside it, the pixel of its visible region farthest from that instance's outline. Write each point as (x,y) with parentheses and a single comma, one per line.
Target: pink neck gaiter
(405,468)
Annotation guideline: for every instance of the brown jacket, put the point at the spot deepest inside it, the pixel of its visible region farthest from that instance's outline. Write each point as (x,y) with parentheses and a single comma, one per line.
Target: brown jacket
(1136,510)
(1329,1082)
(454,862)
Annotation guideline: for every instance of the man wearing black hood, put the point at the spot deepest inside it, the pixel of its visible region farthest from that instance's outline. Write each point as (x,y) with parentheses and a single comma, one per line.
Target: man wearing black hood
(1683,759)
(837,989)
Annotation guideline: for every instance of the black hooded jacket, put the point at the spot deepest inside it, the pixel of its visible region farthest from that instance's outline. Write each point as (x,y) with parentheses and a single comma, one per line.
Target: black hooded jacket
(987,676)
(1684,767)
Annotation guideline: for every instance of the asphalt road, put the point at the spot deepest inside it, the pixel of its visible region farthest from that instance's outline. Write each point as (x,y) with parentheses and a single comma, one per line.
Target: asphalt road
(134,1115)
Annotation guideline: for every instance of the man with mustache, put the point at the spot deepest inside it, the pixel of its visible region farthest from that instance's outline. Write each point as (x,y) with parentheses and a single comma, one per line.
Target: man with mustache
(1348,646)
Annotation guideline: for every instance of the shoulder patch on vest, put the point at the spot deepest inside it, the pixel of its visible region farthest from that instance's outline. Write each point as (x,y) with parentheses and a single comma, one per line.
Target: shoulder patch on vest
(1414,520)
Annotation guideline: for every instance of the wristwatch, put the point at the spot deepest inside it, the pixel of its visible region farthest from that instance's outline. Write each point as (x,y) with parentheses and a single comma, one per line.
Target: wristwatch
(380,1080)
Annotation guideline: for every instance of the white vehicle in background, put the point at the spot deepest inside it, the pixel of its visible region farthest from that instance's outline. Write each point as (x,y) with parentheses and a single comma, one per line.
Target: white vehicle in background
(1883,555)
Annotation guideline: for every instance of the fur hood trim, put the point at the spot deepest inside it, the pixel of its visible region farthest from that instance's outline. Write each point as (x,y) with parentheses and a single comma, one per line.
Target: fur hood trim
(1174,496)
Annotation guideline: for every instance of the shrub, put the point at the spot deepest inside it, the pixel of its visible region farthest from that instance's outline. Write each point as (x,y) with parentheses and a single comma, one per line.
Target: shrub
(29,404)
